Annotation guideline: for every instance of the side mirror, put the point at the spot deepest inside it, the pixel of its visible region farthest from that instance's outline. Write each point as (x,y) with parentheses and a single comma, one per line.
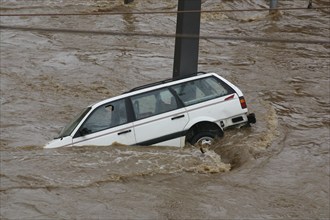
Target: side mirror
(84,131)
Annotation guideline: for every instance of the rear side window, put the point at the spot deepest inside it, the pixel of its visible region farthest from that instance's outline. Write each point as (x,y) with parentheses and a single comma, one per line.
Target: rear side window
(201,90)
(153,103)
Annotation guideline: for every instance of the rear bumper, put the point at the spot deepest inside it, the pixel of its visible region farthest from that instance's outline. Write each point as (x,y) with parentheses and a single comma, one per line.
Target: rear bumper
(251,118)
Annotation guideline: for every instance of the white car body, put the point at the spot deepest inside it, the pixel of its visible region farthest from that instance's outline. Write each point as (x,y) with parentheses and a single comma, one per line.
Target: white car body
(167,113)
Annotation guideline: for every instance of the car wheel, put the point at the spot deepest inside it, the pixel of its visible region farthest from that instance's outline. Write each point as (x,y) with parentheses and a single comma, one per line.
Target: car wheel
(203,140)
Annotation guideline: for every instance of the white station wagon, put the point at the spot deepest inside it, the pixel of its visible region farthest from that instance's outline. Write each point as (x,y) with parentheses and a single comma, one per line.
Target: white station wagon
(192,109)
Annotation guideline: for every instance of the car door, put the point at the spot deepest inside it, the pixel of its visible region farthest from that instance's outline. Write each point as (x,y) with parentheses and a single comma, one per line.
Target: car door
(159,118)
(106,125)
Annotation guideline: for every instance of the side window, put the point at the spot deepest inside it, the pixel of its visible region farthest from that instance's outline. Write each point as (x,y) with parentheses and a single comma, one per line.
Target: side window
(217,88)
(166,102)
(188,92)
(153,103)
(104,117)
(201,90)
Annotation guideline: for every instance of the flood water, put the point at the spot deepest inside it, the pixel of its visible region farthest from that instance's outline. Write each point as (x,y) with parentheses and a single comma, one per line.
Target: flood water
(276,169)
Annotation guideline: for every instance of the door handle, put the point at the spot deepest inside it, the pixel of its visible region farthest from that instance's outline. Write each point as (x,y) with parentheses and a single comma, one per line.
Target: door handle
(124,132)
(177,117)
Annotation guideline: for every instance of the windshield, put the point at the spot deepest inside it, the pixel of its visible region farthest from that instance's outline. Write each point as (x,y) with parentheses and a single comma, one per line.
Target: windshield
(67,130)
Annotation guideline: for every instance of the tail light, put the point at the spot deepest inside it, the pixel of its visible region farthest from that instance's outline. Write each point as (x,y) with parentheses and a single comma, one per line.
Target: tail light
(243,102)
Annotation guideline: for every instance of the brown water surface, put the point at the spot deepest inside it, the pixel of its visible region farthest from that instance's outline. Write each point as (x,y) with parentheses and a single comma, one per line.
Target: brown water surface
(277,169)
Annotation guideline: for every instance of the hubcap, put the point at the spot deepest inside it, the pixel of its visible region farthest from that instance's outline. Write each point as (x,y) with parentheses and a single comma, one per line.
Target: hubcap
(205,141)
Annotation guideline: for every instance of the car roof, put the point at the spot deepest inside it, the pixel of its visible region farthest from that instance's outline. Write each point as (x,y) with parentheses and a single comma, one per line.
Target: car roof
(152,86)
(165,81)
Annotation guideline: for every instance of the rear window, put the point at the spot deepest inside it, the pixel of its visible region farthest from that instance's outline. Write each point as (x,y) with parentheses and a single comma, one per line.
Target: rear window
(201,90)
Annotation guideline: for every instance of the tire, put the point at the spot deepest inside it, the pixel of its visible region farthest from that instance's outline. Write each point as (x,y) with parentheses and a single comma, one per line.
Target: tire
(203,139)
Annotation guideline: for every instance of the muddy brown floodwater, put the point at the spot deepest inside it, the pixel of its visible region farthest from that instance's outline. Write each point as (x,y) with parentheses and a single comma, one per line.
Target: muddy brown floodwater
(277,169)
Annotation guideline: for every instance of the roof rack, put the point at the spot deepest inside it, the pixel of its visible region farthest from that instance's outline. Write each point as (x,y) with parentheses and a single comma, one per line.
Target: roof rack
(164,81)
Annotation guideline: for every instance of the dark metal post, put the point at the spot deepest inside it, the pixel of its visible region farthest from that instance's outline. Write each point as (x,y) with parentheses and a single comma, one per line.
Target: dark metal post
(186,49)
(273,6)
(128,1)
